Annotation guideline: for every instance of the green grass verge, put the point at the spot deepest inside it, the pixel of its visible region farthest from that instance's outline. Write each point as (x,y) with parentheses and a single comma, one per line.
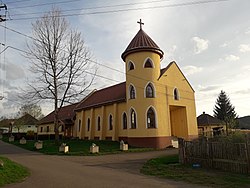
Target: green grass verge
(12,172)
(169,168)
(78,147)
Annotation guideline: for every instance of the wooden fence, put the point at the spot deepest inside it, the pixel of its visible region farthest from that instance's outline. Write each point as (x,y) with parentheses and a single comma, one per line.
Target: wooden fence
(216,155)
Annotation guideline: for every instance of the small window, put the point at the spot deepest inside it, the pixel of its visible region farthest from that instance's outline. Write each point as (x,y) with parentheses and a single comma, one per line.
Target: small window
(124,121)
(110,122)
(149,91)
(133,119)
(98,123)
(151,118)
(47,129)
(148,64)
(41,129)
(132,92)
(176,94)
(88,124)
(131,66)
(79,125)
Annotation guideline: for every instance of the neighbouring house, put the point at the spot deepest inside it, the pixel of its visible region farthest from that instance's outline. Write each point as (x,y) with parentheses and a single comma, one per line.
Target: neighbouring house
(209,126)
(5,125)
(24,124)
(20,125)
(151,108)
(66,122)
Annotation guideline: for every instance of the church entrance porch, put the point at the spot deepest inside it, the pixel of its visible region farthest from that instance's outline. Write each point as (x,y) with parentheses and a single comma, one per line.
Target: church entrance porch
(178,121)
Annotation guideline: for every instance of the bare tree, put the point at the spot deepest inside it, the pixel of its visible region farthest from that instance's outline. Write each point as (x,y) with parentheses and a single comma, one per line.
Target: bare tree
(60,61)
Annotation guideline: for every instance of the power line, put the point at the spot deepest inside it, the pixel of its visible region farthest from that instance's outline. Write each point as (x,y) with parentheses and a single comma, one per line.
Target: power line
(43,4)
(132,9)
(13,2)
(97,7)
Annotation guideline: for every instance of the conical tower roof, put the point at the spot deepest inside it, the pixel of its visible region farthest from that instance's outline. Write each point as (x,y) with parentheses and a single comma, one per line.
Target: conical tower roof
(142,42)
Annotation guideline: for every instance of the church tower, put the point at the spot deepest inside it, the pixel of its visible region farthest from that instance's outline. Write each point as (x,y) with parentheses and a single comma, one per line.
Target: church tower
(142,58)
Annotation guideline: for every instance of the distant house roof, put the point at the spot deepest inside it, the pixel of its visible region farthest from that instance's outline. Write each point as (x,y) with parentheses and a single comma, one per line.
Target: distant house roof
(108,95)
(205,119)
(66,115)
(141,42)
(26,119)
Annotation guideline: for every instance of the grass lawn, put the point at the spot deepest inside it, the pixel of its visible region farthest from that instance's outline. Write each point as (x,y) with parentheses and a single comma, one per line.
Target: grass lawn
(12,172)
(78,147)
(169,168)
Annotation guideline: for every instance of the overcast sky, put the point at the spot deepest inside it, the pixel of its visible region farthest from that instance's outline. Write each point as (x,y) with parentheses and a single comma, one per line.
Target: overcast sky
(208,39)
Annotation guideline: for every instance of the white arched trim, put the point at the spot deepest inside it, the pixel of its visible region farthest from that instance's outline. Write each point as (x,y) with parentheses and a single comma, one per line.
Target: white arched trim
(151,61)
(130,65)
(154,90)
(130,120)
(129,88)
(156,117)
(122,120)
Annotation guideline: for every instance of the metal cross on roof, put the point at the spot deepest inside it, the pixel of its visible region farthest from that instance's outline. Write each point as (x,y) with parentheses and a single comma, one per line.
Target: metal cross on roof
(140,22)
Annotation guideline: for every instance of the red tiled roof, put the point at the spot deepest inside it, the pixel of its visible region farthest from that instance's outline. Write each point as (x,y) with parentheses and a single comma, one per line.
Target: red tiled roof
(206,119)
(108,95)
(66,113)
(141,42)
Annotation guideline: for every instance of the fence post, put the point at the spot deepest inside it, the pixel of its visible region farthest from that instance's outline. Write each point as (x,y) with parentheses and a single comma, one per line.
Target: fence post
(181,146)
(248,152)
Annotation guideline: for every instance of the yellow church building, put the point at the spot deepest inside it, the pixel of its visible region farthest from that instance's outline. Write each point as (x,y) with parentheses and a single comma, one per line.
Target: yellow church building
(150,109)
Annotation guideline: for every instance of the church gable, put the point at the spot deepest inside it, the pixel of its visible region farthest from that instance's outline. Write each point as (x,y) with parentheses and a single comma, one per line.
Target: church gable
(173,76)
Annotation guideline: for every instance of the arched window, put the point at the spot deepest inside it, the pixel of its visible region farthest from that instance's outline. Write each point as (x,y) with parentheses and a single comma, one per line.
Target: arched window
(131,92)
(151,118)
(131,66)
(79,125)
(149,91)
(98,123)
(110,122)
(124,121)
(133,119)
(148,63)
(88,124)
(176,94)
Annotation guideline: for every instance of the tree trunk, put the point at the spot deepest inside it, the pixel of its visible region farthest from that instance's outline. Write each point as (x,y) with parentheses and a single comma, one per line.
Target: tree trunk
(227,128)
(56,123)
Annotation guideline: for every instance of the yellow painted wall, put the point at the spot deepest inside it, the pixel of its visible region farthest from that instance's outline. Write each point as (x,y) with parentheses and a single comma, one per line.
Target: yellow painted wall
(104,112)
(51,129)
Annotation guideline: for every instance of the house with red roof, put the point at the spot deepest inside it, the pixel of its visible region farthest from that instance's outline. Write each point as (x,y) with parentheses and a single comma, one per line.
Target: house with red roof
(210,126)
(66,122)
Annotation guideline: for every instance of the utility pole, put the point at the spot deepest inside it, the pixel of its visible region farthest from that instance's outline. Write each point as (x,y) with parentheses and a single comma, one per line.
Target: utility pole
(2,19)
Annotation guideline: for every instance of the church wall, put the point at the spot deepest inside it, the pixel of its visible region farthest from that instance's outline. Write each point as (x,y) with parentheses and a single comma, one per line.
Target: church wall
(104,112)
(139,78)
(174,79)
(49,131)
